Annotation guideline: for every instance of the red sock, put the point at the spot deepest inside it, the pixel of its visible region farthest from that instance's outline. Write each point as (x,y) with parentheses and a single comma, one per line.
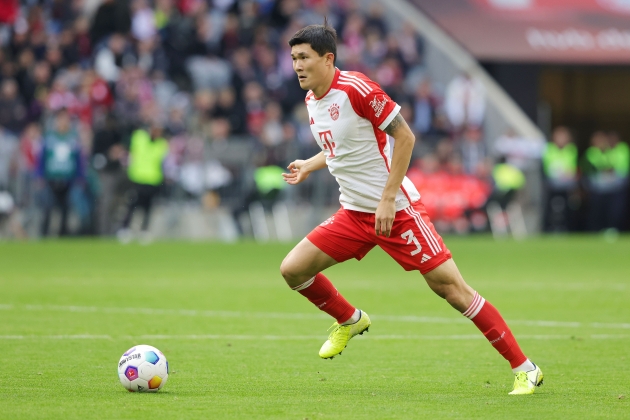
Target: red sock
(490,322)
(321,292)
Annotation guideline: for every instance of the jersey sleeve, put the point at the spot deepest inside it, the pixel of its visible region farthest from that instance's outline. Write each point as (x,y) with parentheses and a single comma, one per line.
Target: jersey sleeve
(368,99)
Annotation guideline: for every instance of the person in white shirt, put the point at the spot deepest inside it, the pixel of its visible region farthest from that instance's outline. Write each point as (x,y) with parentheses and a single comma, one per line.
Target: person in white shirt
(465,102)
(350,118)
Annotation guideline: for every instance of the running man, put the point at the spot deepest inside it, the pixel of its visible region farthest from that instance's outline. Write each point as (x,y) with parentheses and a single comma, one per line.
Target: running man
(350,117)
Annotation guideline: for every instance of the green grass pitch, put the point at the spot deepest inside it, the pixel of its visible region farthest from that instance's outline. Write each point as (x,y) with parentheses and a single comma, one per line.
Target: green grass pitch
(242,345)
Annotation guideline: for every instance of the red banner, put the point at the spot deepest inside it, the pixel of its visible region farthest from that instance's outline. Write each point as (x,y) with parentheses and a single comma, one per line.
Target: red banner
(560,31)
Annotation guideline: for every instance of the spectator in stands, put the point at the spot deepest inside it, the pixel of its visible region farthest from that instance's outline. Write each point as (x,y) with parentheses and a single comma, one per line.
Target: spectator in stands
(27,164)
(465,102)
(560,161)
(429,174)
(147,151)
(253,97)
(35,89)
(410,45)
(472,148)
(60,168)
(111,16)
(8,155)
(108,154)
(143,27)
(12,107)
(455,197)
(425,108)
(109,60)
(228,107)
(31,142)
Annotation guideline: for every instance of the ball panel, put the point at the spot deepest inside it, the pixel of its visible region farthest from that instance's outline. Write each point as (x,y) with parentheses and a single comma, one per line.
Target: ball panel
(161,368)
(140,385)
(146,371)
(151,357)
(131,373)
(128,352)
(155,382)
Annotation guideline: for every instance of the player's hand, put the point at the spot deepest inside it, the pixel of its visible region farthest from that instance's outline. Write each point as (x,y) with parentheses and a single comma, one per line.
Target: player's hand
(384,220)
(297,172)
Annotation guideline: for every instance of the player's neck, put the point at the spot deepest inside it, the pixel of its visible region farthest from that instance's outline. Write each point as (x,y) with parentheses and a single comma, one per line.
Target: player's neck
(324,87)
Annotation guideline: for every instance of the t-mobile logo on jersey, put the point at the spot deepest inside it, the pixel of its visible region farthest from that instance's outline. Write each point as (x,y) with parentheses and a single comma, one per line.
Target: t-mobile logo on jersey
(378,106)
(326,138)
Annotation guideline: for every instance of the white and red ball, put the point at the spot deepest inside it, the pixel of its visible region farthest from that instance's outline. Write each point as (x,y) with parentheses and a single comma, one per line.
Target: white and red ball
(143,368)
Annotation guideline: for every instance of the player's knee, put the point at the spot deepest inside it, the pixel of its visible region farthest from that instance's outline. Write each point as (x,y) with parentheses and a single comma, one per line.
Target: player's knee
(289,271)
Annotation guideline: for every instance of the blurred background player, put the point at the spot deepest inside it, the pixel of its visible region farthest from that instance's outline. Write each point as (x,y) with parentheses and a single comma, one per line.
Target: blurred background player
(350,118)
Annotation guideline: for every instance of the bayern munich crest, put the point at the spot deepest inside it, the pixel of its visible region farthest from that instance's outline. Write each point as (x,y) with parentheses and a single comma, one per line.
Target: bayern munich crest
(334,111)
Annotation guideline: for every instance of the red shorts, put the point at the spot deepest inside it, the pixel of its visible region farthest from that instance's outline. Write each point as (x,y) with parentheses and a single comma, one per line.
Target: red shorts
(413,242)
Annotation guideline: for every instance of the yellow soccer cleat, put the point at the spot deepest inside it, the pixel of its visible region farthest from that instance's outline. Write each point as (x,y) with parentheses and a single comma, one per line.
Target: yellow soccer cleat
(338,339)
(525,383)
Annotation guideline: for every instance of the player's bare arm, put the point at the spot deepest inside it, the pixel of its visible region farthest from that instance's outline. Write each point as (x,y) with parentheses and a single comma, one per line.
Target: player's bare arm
(300,169)
(386,210)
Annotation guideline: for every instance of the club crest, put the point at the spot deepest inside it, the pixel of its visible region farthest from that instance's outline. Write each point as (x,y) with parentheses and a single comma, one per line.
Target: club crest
(334,111)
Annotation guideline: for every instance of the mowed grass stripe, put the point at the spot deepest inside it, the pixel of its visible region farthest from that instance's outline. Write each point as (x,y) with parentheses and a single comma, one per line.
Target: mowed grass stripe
(296,316)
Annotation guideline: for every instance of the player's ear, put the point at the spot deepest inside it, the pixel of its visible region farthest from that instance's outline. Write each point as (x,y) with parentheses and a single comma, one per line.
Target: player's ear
(330,58)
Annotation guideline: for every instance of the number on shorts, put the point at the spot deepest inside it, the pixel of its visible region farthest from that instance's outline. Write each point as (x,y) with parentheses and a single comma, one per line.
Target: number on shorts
(410,237)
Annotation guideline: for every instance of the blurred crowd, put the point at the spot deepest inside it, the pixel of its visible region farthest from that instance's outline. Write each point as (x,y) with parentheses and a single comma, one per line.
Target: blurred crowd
(108,105)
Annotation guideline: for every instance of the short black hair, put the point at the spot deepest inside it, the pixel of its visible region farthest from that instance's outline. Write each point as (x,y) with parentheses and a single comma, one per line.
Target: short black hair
(321,38)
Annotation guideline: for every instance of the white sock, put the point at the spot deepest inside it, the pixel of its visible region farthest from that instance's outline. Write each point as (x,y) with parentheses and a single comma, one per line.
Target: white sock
(356,316)
(525,367)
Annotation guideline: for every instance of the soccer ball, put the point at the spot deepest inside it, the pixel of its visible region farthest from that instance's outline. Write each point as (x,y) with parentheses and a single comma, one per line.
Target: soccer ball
(143,368)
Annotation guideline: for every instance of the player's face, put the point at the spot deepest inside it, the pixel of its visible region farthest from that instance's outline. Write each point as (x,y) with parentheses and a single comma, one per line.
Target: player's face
(309,66)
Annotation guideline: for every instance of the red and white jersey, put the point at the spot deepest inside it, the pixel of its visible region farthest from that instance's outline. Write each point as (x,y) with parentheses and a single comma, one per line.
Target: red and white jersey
(348,123)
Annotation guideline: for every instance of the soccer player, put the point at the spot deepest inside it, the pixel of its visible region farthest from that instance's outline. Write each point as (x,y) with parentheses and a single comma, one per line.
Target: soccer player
(350,117)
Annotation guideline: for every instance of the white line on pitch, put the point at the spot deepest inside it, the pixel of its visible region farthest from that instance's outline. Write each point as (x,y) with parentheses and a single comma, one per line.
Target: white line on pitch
(293,316)
(298,337)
